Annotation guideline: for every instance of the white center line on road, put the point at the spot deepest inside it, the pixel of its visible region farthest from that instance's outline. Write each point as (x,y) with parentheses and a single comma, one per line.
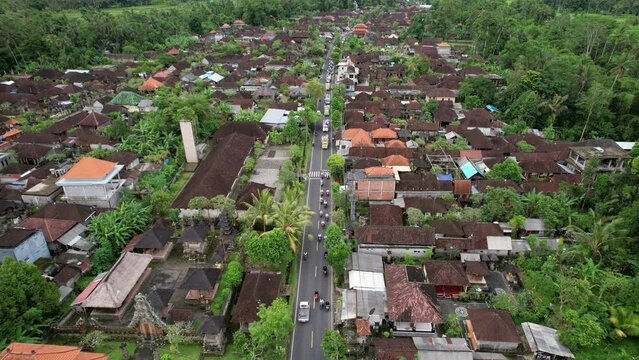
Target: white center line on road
(315,270)
(312,332)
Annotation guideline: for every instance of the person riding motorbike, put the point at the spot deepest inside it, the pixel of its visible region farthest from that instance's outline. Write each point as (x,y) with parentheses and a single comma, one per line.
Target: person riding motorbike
(305,255)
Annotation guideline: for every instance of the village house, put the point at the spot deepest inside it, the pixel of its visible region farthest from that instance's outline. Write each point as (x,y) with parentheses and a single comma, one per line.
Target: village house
(447,276)
(110,294)
(93,182)
(259,287)
(26,245)
(412,304)
(492,330)
(609,156)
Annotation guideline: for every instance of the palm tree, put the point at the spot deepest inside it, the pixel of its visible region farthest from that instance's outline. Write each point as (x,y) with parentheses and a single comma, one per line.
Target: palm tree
(625,321)
(292,217)
(531,200)
(605,233)
(553,107)
(261,208)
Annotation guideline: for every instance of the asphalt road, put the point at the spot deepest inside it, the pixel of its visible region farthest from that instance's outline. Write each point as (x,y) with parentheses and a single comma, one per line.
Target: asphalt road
(307,336)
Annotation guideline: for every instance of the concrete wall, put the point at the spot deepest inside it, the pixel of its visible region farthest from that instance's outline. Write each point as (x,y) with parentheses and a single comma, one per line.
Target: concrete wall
(188,140)
(497,346)
(29,250)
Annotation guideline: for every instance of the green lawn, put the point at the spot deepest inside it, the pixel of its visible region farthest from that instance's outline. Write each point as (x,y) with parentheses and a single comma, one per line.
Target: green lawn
(229,354)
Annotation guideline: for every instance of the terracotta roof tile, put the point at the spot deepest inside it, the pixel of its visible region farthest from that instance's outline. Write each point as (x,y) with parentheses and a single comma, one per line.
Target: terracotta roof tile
(386,215)
(394,348)
(51,228)
(493,325)
(445,273)
(90,168)
(378,171)
(24,351)
(395,160)
(257,288)
(409,301)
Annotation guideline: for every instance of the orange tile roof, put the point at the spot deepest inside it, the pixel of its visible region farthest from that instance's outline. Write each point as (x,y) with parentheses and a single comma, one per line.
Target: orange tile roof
(12,122)
(90,168)
(24,351)
(383,133)
(379,171)
(11,133)
(395,160)
(351,133)
(362,139)
(150,85)
(397,144)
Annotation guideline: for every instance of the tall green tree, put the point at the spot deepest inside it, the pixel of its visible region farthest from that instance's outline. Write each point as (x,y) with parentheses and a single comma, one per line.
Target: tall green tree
(333,345)
(271,247)
(271,333)
(336,165)
(28,302)
(508,169)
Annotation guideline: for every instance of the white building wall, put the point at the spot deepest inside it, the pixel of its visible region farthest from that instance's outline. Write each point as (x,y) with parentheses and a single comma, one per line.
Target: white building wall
(188,140)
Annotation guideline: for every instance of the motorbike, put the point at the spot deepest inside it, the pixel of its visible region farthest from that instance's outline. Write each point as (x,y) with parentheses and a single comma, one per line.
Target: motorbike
(327,306)
(323,224)
(305,255)
(328,193)
(325,269)
(316,296)
(319,237)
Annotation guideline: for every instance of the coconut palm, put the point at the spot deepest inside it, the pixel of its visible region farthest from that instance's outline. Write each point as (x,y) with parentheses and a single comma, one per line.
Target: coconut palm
(553,107)
(604,235)
(531,201)
(261,207)
(625,321)
(292,217)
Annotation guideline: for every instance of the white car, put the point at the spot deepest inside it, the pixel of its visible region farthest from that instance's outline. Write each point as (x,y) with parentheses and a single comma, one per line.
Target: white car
(303,312)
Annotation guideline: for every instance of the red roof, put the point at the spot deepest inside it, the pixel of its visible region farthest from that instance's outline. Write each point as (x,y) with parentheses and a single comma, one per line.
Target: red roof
(173,51)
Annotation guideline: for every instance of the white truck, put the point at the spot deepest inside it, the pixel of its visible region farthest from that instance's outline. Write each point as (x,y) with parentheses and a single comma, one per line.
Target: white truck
(303,312)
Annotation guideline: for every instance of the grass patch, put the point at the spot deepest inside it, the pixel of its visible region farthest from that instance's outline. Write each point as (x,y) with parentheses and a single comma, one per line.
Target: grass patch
(292,280)
(229,354)
(179,183)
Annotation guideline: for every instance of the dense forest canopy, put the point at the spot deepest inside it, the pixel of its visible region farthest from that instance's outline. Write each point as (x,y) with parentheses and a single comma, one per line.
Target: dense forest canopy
(576,73)
(14,5)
